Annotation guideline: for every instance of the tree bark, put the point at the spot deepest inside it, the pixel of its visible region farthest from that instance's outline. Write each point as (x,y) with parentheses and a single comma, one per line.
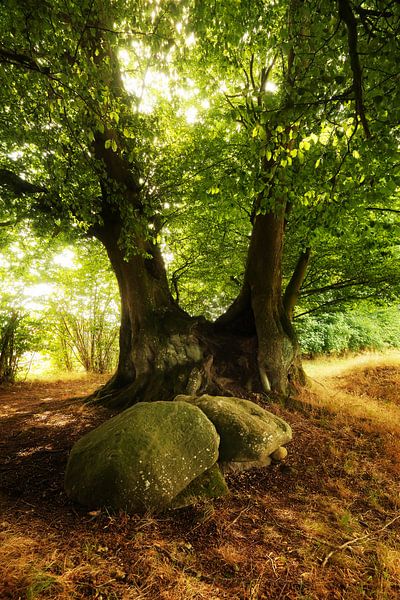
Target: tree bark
(260,308)
(158,343)
(293,289)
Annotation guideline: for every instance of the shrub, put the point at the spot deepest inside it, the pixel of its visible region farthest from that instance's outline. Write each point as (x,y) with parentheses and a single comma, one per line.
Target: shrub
(356,330)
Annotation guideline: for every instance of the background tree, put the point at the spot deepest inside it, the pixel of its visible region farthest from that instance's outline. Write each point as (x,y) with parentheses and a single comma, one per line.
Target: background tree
(82,314)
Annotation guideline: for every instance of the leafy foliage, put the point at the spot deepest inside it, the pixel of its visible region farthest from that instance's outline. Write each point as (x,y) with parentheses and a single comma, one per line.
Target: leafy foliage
(61,302)
(83,315)
(355,331)
(188,122)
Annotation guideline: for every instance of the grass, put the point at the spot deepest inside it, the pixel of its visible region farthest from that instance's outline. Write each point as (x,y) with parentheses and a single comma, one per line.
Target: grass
(323,526)
(354,388)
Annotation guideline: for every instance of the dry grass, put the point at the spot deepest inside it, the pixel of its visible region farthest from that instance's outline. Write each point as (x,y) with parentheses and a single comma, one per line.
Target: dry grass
(364,389)
(324,526)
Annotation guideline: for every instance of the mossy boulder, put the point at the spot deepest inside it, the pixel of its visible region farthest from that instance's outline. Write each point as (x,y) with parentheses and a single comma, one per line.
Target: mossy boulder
(249,434)
(143,458)
(210,484)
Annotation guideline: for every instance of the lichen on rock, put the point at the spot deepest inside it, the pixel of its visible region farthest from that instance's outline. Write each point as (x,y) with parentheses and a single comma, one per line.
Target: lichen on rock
(143,458)
(249,434)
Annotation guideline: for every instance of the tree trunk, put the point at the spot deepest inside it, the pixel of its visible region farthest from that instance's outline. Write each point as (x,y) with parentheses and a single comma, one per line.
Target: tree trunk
(259,309)
(158,341)
(164,351)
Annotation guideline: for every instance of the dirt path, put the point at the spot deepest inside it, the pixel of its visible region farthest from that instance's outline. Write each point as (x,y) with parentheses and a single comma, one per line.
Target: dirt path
(268,539)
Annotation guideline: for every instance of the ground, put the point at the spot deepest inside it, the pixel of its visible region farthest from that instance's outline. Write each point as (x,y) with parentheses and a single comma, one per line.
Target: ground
(324,525)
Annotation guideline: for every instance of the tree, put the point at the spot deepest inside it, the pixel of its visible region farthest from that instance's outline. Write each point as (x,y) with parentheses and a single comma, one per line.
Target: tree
(82,316)
(78,147)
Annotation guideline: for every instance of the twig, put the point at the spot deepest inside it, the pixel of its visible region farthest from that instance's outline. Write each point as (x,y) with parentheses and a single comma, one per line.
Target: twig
(359,539)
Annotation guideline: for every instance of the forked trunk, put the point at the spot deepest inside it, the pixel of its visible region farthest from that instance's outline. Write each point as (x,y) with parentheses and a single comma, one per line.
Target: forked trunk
(259,309)
(164,351)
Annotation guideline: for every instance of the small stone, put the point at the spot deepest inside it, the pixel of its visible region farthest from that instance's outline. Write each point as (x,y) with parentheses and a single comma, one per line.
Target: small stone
(279,454)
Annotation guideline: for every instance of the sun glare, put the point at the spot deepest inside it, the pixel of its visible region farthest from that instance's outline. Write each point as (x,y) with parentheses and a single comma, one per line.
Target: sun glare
(191,115)
(36,296)
(270,86)
(66,258)
(190,40)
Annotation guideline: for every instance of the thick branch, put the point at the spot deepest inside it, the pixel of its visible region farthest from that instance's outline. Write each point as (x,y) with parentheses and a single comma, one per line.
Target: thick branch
(17,185)
(17,58)
(347,16)
(292,292)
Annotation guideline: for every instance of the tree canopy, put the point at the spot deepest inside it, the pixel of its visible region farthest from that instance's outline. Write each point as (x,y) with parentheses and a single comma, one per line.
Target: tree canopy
(207,139)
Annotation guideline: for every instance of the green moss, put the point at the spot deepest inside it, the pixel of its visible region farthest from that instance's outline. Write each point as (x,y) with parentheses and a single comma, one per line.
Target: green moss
(142,458)
(210,484)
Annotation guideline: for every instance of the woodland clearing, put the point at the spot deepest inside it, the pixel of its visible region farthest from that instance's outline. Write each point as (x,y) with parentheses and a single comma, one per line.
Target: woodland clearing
(323,525)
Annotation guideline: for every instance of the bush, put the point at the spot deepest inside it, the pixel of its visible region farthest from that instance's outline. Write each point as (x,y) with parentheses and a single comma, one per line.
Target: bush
(356,331)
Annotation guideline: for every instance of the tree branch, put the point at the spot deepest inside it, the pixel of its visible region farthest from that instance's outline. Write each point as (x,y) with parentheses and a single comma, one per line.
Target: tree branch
(17,58)
(347,16)
(17,185)
(377,208)
(293,288)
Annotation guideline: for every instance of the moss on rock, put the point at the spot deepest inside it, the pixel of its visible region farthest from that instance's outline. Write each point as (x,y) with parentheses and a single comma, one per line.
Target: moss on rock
(210,484)
(142,458)
(248,432)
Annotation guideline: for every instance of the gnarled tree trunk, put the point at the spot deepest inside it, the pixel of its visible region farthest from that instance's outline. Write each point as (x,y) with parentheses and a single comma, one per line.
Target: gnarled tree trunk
(158,342)
(259,309)
(164,351)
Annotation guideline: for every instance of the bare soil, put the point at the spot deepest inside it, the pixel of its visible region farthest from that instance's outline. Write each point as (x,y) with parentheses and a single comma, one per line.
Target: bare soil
(323,525)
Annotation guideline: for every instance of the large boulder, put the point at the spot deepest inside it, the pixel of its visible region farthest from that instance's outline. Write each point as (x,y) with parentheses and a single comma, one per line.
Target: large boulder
(249,434)
(142,458)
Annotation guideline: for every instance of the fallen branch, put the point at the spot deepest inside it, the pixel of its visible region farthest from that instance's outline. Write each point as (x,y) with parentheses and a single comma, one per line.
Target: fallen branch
(359,539)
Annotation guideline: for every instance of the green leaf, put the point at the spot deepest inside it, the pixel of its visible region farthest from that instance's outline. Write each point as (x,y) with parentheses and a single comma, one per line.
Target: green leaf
(114,116)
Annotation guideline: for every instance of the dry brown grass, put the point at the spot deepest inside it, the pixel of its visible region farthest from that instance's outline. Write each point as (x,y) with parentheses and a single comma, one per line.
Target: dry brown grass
(363,389)
(323,526)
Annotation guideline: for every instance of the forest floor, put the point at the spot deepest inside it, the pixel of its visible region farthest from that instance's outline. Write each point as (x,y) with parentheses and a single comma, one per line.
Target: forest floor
(323,525)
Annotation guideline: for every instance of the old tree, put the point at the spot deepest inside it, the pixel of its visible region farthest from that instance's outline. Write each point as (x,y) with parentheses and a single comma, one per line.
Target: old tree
(186,129)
